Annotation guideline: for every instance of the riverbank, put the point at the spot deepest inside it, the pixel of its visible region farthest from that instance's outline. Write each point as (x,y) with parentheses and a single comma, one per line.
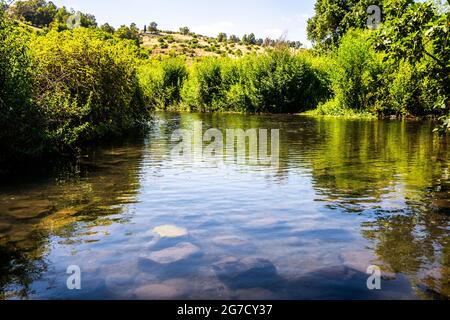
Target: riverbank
(66,88)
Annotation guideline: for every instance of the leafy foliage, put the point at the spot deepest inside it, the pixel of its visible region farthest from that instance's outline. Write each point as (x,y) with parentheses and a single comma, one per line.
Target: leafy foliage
(275,82)
(333,18)
(184,30)
(67,88)
(153,27)
(41,13)
(86,84)
(162,81)
(130,33)
(107,28)
(21,134)
(422,36)
(62,89)
(38,12)
(354,71)
(407,74)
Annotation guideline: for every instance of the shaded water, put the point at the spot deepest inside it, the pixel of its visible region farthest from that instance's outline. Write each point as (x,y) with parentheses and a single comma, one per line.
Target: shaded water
(143,225)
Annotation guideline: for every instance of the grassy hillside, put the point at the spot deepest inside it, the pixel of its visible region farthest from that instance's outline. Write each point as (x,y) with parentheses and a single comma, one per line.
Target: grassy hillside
(193,45)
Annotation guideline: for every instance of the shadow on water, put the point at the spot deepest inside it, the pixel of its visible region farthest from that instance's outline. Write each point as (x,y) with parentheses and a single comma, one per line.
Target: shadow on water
(78,197)
(346,194)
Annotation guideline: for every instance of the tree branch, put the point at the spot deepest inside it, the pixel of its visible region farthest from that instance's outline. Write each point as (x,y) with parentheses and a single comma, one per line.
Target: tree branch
(442,64)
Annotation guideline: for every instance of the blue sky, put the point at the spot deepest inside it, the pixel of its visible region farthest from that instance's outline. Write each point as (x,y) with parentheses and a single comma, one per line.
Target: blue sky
(264,17)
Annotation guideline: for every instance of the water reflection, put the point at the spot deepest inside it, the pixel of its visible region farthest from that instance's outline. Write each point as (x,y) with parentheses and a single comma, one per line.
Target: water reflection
(69,207)
(143,225)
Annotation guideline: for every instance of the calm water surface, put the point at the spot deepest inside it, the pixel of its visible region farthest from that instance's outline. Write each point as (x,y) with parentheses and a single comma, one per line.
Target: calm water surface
(141,224)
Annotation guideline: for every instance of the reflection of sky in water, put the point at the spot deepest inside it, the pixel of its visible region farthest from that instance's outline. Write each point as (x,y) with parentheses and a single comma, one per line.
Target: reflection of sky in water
(345,196)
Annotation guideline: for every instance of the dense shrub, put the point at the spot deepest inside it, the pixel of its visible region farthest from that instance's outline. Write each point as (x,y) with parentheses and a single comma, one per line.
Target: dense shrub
(21,123)
(282,82)
(355,70)
(274,82)
(205,88)
(407,75)
(366,81)
(87,86)
(403,89)
(162,81)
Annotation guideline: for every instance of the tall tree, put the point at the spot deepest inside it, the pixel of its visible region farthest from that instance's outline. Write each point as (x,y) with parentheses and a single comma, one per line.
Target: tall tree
(107,28)
(333,18)
(153,27)
(222,37)
(87,20)
(251,38)
(234,38)
(421,32)
(39,13)
(185,31)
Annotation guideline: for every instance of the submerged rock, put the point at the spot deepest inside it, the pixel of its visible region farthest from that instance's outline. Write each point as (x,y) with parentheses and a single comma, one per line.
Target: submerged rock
(246,273)
(156,291)
(174,254)
(229,241)
(171,289)
(170,231)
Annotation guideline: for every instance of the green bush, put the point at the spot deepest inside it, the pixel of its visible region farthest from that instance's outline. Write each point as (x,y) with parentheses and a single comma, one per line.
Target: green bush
(204,90)
(354,73)
(87,86)
(403,89)
(275,82)
(281,82)
(365,81)
(162,81)
(21,123)
(169,39)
